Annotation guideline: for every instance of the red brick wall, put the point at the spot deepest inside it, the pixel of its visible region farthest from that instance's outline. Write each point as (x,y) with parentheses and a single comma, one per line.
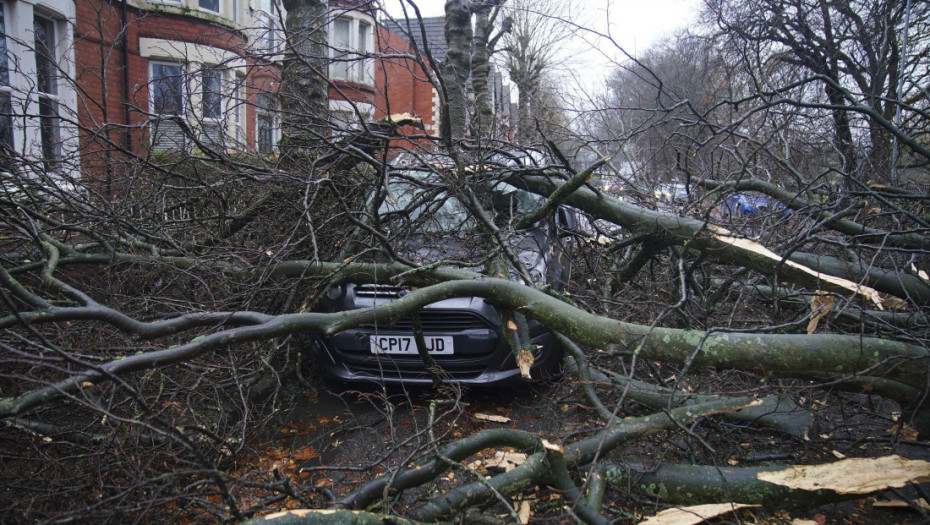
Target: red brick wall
(402,85)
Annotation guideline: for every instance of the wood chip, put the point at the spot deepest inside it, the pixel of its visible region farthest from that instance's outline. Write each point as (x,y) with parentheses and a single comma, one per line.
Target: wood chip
(524,512)
(492,417)
(852,476)
(694,514)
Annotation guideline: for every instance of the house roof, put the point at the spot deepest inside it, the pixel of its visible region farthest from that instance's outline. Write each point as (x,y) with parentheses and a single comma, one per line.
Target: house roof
(435,29)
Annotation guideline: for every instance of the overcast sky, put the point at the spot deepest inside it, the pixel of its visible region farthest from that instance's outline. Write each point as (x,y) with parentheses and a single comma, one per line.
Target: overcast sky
(633,25)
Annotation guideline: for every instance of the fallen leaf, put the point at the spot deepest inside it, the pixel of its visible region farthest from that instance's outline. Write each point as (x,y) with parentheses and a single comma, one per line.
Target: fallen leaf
(852,476)
(821,304)
(694,514)
(306,453)
(839,454)
(492,417)
(904,431)
(895,304)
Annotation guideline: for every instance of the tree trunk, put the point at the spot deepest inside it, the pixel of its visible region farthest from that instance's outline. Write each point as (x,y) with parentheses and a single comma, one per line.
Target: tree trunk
(304,87)
(457,68)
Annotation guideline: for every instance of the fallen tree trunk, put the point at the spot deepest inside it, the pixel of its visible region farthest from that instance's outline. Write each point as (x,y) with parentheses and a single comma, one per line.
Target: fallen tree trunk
(676,484)
(817,273)
(781,354)
(775,487)
(796,201)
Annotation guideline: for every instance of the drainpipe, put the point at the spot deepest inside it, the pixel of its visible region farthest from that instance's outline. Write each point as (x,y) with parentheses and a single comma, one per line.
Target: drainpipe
(127,141)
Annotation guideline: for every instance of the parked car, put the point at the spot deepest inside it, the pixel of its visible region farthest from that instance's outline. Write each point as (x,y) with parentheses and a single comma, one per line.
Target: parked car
(747,205)
(464,334)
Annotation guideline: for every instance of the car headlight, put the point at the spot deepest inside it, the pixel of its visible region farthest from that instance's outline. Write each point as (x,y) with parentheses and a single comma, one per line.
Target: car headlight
(334,292)
(535,265)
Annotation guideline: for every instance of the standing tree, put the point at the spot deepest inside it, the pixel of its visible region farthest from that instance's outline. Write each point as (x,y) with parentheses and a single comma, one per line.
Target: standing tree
(855,52)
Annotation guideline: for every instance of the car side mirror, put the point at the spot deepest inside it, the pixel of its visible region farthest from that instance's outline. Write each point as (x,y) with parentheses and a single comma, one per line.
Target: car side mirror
(566,221)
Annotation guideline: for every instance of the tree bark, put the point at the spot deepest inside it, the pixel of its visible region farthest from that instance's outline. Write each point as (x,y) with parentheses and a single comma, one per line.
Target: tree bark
(304,86)
(457,68)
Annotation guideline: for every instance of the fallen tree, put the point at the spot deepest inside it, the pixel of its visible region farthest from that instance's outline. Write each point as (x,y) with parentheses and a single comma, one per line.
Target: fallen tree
(173,322)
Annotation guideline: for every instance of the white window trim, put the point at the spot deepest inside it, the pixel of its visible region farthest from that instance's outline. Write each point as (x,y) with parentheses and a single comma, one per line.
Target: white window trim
(239,116)
(355,18)
(175,50)
(19,18)
(223,120)
(230,11)
(263,23)
(185,96)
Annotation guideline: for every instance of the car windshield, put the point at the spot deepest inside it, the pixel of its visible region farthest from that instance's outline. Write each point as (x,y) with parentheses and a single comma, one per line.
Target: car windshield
(431,209)
(412,197)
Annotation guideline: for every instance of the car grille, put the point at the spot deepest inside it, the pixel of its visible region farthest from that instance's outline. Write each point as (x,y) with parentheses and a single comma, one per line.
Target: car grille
(413,369)
(378,290)
(443,321)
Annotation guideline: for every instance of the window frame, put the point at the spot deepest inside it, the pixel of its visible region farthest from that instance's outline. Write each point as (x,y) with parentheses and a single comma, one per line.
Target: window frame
(6,88)
(182,112)
(219,6)
(182,76)
(238,108)
(219,92)
(355,59)
(217,120)
(271,112)
(268,41)
(48,89)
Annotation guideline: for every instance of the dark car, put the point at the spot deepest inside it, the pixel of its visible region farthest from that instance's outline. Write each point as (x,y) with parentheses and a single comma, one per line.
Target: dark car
(463,335)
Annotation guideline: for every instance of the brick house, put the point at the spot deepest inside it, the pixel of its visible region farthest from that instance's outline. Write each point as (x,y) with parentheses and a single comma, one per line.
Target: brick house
(108,77)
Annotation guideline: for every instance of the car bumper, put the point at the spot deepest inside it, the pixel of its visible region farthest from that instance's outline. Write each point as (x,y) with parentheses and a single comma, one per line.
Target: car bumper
(482,357)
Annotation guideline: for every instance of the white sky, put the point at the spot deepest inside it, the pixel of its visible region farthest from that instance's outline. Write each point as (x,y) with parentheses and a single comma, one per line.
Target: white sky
(633,25)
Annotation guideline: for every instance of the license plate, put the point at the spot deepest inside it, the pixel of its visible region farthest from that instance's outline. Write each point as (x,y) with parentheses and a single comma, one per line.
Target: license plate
(406,344)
